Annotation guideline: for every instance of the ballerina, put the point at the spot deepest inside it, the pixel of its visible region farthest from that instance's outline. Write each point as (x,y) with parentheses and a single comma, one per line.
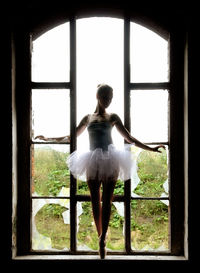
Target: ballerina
(103,164)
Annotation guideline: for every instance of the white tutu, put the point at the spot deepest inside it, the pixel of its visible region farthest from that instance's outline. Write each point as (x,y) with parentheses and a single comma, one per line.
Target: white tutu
(102,165)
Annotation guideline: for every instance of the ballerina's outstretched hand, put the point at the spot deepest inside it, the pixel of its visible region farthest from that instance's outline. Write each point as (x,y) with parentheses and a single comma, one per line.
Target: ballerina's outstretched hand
(59,139)
(156,149)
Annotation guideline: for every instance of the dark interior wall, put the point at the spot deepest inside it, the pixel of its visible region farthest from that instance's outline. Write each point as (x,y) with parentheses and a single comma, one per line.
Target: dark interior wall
(37,17)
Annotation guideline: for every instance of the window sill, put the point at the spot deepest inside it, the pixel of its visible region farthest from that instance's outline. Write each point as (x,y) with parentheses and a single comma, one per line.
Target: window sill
(108,257)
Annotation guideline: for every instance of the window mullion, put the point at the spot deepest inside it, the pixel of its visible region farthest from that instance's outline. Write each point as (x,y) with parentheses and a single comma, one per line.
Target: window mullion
(50,85)
(127,188)
(149,85)
(73,130)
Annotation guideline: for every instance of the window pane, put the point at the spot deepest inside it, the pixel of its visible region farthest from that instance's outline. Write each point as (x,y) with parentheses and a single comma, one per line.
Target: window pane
(50,173)
(50,56)
(151,179)
(87,235)
(50,224)
(50,112)
(116,234)
(149,225)
(148,55)
(99,60)
(149,115)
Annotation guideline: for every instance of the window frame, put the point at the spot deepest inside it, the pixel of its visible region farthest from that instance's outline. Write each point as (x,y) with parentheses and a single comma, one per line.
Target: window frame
(176,141)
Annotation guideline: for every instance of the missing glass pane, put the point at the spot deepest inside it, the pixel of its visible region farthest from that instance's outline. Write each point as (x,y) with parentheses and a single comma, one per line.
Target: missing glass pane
(86,231)
(50,173)
(50,224)
(151,178)
(149,225)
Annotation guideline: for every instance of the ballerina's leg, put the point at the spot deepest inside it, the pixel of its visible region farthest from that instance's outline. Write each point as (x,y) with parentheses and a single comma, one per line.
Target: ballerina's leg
(107,197)
(108,189)
(95,193)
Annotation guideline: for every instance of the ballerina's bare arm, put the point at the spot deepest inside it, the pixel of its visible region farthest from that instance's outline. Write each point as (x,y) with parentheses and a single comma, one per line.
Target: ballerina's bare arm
(130,139)
(59,139)
(79,129)
(82,125)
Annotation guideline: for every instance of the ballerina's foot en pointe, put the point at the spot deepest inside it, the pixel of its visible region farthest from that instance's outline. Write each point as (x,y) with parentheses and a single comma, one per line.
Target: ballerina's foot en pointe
(102,247)
(103,163)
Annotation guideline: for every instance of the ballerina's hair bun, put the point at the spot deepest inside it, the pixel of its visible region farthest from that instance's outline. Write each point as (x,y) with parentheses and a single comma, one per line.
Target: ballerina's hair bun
(103,87)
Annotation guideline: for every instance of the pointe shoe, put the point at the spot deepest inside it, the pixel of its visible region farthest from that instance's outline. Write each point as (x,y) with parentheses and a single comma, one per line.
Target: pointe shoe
(102,248)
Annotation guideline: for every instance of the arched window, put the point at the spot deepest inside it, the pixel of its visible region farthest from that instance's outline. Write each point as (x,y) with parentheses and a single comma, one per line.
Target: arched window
(68,62)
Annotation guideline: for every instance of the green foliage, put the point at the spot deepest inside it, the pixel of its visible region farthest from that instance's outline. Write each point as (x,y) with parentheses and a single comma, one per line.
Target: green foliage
(50,172)
(116,221)
(119,187)
(52,210)
(149,224)
(49,222)
(87,234)
(152,171)
(56,180)
(82,187)
(149,218)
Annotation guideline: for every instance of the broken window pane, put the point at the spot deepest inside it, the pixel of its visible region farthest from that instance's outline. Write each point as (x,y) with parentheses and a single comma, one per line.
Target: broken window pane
(87,237)
(50,173)
(86,231)
(149,225)
(50,224)
(151,178)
